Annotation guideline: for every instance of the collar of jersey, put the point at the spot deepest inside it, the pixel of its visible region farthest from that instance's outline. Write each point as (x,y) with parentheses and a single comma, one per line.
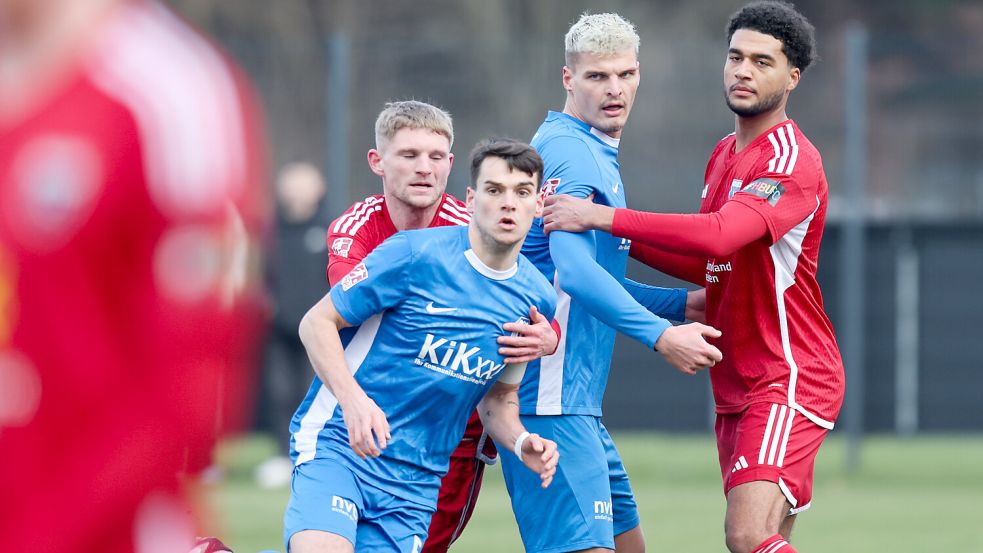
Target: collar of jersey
(493,274)
(600,135)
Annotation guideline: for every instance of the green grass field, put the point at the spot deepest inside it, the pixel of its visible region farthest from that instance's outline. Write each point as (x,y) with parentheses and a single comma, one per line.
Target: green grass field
(919,495)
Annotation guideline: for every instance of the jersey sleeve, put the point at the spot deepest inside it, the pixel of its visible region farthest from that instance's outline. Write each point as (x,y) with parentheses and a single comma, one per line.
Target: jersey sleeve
(345,251)
(782,200)
(668,303)
(376,283)
(598,292)
(577,174)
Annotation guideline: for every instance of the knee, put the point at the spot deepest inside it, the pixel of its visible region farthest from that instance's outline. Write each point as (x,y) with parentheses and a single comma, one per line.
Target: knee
(741,539)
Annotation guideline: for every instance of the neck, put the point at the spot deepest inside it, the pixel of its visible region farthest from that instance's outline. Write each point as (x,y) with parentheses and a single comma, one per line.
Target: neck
(493,254)
(407,217)
(749,128)
(39,42)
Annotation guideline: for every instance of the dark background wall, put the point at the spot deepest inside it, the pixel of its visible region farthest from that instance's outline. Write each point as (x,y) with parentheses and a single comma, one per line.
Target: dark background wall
(325,68)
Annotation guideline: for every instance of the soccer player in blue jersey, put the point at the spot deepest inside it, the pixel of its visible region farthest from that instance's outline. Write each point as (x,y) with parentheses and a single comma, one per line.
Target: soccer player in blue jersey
(590,505)
(374,435)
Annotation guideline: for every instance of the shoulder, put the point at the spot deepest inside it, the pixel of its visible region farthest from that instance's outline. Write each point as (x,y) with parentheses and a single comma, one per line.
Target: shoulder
(787,151)
(540,286)
(452,211)
(723,145)
(193,110)
(358,216)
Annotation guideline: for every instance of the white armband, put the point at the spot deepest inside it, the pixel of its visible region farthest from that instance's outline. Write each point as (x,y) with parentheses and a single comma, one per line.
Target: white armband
(518,444)
(512,374)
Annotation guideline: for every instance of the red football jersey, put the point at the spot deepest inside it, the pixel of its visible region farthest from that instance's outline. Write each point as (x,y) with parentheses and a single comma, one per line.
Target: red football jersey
(367,224)
(127,207)
(777,342)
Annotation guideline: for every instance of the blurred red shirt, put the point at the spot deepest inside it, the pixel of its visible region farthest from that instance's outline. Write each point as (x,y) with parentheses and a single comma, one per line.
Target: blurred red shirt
(129,213)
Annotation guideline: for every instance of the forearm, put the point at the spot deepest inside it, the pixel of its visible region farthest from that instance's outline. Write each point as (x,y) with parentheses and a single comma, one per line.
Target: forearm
(598,292)
(715,234)
(319,332)
(499,412)
(684,267)
(668,303)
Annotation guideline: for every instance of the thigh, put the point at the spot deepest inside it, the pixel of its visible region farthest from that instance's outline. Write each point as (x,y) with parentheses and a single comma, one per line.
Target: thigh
(326,497)
(391,524)
(774,443)
(575,512)
(623,506)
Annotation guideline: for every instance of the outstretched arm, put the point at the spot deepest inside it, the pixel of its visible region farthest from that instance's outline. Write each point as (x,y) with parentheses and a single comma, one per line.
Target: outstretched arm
(716,234)
(499,412)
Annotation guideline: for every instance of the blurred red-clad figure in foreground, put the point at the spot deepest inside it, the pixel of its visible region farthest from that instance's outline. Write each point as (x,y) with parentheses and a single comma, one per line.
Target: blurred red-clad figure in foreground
(130,215)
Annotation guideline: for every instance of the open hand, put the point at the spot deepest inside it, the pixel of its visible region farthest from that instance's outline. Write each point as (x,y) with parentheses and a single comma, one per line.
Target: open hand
(541,456)
(528,342)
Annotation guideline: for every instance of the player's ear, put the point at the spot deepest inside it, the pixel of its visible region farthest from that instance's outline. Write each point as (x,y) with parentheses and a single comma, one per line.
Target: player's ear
(469,200)
(375,162)
(567,78)
(540,201)
(793,79)
(450,160)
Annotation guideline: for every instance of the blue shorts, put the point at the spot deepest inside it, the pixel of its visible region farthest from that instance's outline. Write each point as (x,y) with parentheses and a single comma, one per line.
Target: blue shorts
(589,501)
(325,495)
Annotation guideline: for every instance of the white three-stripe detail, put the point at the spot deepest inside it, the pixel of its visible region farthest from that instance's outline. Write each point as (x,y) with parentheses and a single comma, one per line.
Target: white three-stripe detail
(346,221)
(786,150)
(764,440)
(774,547)
(777,432)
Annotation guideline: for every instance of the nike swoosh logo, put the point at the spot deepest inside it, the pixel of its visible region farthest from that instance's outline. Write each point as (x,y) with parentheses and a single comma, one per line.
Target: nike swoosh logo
(435,310)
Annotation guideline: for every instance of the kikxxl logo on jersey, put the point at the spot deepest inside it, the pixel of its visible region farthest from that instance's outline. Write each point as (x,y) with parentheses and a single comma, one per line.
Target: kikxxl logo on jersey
(457,359)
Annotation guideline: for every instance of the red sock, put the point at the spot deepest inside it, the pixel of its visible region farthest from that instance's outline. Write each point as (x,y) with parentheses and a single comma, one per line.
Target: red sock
(775,544)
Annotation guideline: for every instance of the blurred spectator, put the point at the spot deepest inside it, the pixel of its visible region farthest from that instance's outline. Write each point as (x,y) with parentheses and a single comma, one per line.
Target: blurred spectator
(296,281)
(129,219)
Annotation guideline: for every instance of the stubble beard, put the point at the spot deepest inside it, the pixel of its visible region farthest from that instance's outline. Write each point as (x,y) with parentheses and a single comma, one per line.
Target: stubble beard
(764,105)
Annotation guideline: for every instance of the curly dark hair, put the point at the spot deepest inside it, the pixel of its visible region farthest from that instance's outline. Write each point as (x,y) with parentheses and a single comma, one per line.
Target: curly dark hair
(782,21)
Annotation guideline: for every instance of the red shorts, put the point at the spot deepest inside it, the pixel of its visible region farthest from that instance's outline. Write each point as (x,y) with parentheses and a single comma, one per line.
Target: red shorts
(460,486)
(458,495)
(770,442)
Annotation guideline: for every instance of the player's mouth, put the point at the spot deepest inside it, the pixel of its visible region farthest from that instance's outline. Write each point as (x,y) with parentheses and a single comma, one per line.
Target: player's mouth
(741,91)
(421,185)
(613,109)
(507,223)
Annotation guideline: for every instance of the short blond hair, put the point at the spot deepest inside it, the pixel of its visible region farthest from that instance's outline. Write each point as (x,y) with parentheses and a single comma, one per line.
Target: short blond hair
(599,33)
(411,114)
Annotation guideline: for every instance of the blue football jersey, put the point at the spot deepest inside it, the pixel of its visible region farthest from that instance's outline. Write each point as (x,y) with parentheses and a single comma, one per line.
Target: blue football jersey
(579,161)
(429,313)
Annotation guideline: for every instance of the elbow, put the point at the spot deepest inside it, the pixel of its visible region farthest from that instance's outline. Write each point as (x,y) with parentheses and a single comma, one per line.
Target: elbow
(572,280)
(306,327)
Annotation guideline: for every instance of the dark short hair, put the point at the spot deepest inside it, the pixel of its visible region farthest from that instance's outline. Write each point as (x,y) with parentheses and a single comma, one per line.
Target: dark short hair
(782,21)
(517,155)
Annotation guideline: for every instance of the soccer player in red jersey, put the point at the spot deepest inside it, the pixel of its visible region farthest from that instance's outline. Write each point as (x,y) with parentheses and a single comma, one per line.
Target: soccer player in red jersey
(755,246)
(128,217)
(413,157)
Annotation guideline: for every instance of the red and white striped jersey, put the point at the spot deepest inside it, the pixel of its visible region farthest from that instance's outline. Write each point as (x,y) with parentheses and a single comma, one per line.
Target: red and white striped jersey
(777,342)
(367,224)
